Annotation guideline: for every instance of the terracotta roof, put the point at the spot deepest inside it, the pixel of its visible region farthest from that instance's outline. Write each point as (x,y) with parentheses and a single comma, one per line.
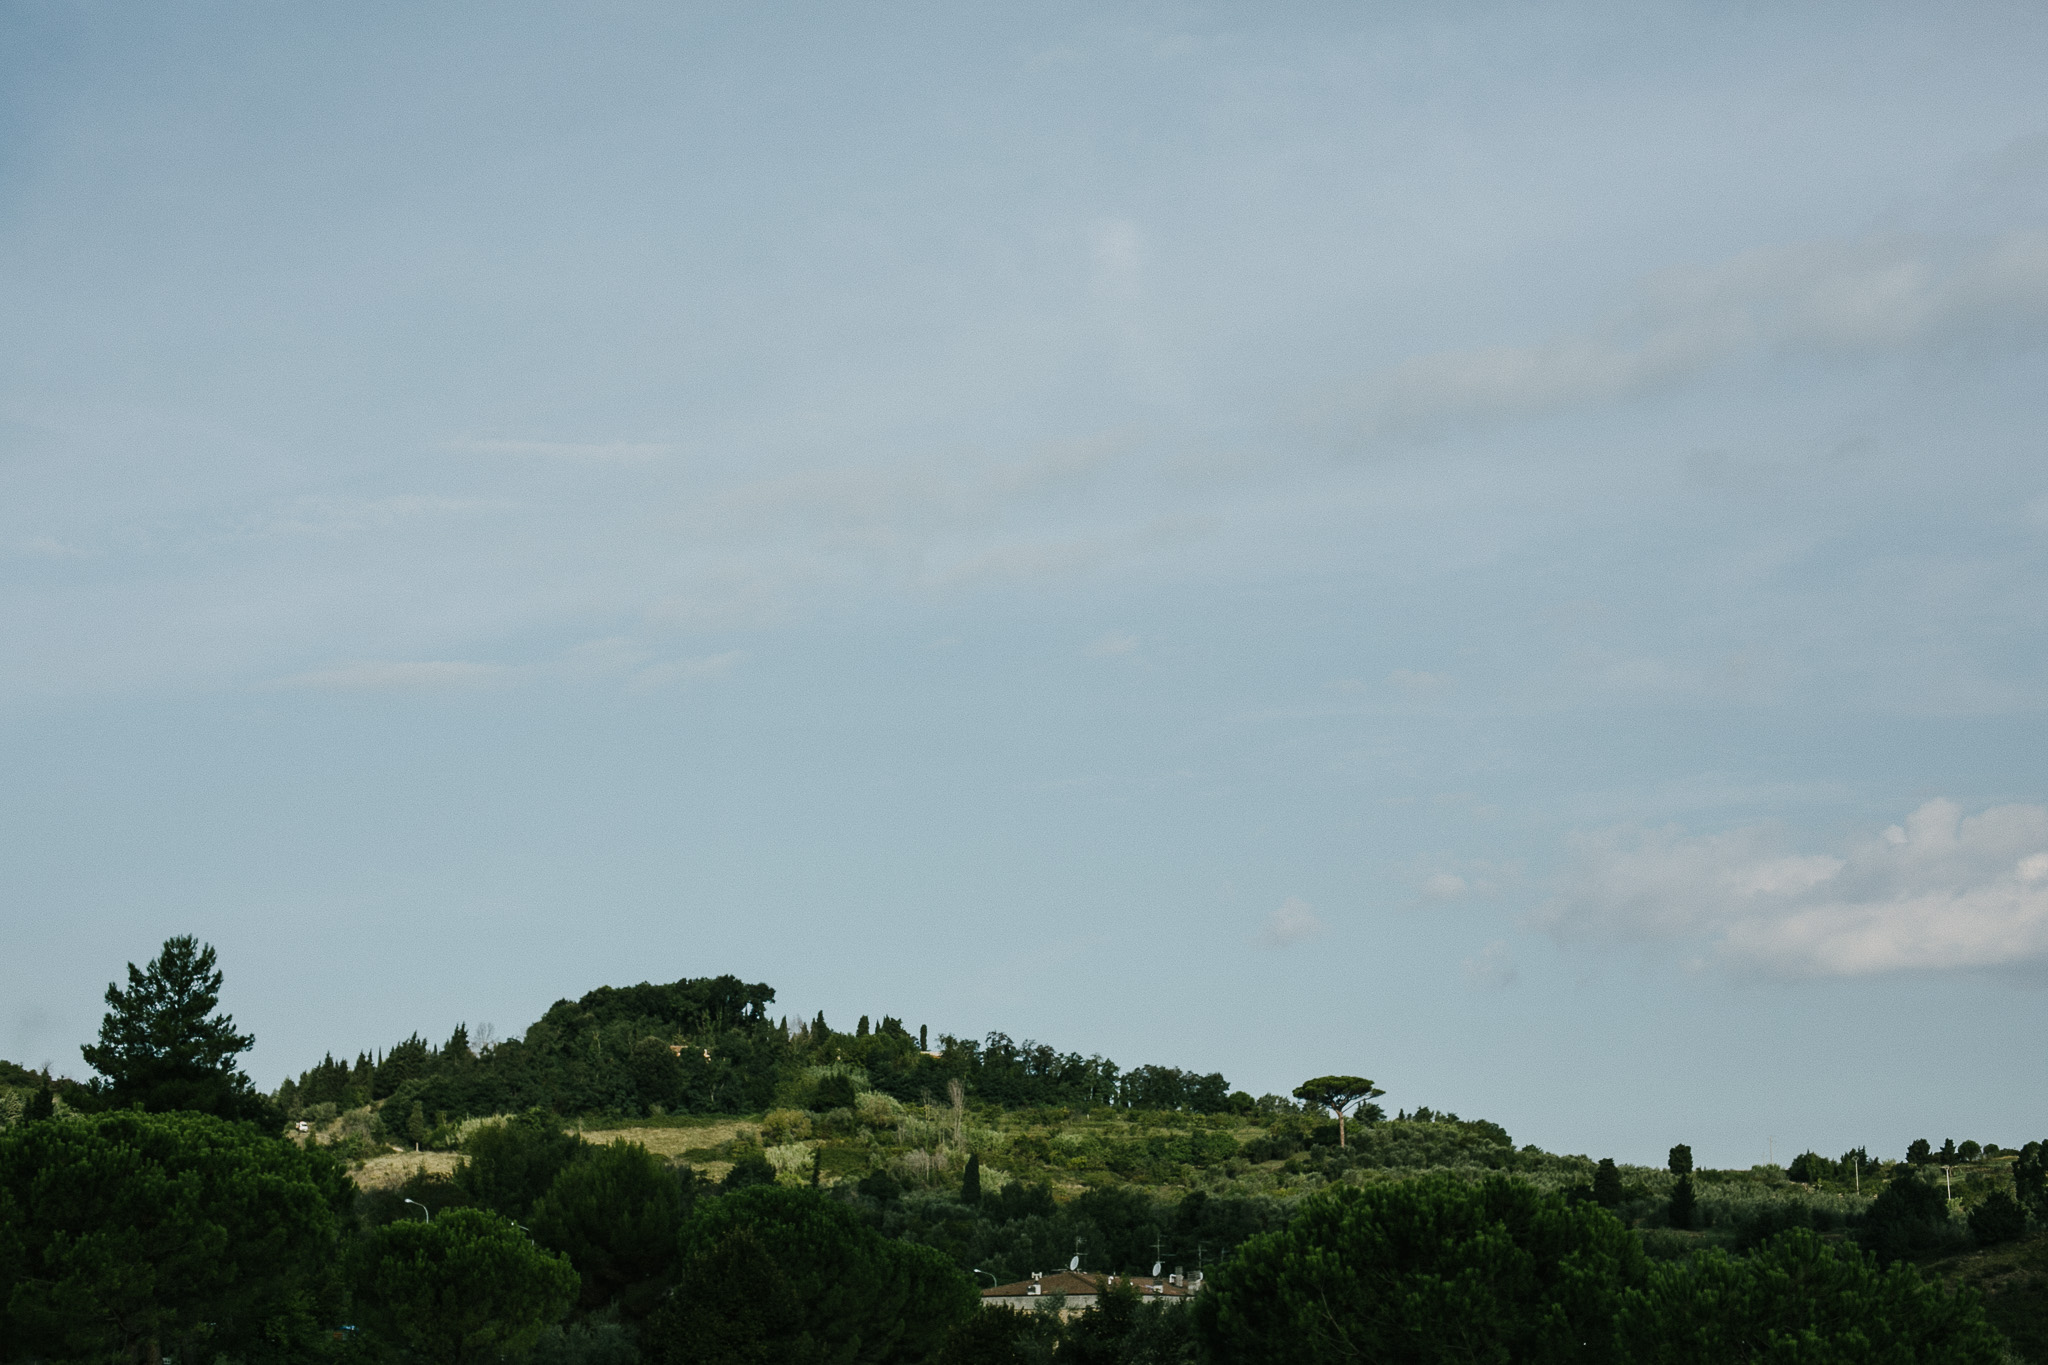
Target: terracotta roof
(1072,1282)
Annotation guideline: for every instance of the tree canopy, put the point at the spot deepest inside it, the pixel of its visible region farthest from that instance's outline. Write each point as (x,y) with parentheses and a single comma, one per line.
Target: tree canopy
(1424,1271)
(132,1234)
(782,1273)
(614,1212)
(1337,1094)
(1796,1298)
(162,1046)
(467,1286)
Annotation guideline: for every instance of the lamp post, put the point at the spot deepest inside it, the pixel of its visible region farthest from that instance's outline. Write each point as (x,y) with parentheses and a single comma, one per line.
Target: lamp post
(427,1214)
(992,1281)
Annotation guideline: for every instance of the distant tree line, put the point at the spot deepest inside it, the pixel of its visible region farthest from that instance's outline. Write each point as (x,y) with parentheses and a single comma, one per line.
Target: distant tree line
(181,1226)
(707,1045)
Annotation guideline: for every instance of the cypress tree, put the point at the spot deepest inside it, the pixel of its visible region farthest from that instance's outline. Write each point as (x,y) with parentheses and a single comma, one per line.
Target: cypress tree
(41,1105)
(970,1183)
(1682,1209)
(1607,1184)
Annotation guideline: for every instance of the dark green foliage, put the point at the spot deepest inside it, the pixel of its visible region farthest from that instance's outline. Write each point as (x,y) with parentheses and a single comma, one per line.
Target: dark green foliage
(880,1185)
(970,1182)
(1001,1337)
(707,1045)
(429,1190)
(1807,1168)
(1425,1270)
(597,1340)
(468,1286)
(1998,1219)
(1968,1150)
(182,1232)
(1797,1299)
(615,1213)
(1607,1184)
(1948,1152)
(1337,1094)
(751,1169)
(834,1092)
(1683,1209)
(1919,1152)
(1019,1200)
(1122,1329)
(162,1046)
(1908,1218)
(2030,1179)
(733,1307)
(1680,1160)
(411,1060)
(41,1105)
(774,1273)
(508,1166)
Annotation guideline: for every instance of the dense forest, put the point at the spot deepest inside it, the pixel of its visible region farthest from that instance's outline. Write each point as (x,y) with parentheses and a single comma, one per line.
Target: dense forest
(665,1174)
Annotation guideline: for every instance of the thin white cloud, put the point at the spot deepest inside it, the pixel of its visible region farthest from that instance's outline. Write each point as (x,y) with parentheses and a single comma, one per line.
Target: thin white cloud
(685,670)
(564,450)
(386,675)
(1291,922)
(1857,297)
(332,516)
(1941,891)
(614,657)
(1445,886)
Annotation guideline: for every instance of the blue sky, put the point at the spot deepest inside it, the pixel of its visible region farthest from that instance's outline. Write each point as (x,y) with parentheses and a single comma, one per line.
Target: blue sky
(1500,549)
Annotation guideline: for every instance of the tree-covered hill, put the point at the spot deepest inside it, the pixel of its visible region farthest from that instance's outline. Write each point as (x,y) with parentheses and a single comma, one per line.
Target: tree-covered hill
(709,1046)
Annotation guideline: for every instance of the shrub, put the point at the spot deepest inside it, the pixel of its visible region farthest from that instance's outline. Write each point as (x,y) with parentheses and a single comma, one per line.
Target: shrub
(834,1092)
(753,1168)
(785,1125)
(1998,1219)
(877,1110)
(1908,1218)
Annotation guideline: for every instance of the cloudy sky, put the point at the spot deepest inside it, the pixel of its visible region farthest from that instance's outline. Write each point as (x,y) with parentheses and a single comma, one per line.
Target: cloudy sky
(1497,548)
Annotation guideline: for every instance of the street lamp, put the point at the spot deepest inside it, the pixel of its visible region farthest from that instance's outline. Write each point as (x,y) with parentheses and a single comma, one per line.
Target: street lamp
(426,1213)
(992,1281)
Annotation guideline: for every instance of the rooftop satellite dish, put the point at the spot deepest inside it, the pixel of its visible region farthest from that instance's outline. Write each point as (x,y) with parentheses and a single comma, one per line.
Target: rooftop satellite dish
(1155,1268)
(1074,1264)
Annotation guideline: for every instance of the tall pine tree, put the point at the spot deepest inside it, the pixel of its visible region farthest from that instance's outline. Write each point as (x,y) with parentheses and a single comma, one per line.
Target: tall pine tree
(162,1046)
